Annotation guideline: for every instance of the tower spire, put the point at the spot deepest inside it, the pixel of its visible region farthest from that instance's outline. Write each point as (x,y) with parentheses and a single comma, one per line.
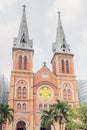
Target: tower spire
(60,46)
(23,41)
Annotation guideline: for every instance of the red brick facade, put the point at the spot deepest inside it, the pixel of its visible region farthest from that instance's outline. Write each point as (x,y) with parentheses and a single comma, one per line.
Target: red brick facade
(30,92)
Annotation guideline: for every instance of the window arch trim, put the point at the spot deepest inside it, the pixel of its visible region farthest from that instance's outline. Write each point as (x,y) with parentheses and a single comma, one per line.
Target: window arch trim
(18,107)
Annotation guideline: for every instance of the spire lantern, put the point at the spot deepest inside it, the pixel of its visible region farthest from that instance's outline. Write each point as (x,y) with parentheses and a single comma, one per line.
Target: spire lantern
(60,46)
(23,41)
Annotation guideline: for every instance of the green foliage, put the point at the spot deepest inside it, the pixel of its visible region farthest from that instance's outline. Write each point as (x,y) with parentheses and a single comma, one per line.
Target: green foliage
(57,113)
(47,119)
(61,109)
(6,113)
(62,113)
(72,119)
(83,115)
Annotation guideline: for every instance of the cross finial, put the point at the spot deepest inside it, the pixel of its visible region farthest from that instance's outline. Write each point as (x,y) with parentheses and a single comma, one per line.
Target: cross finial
(24,6)
(59,13)
(44,63)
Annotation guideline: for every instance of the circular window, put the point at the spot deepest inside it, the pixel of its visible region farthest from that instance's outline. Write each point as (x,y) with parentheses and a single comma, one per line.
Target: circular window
(45,93)
(45,75)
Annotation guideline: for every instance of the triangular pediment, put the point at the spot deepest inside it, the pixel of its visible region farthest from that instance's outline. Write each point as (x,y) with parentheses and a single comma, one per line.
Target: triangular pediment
(44,75)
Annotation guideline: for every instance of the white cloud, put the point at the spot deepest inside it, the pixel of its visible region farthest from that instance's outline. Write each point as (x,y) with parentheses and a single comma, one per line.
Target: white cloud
(7,32)
(74,19)
(6,3)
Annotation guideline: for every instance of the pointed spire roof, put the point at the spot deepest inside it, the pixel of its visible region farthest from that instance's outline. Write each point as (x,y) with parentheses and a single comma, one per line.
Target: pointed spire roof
(22,41)
(60,46)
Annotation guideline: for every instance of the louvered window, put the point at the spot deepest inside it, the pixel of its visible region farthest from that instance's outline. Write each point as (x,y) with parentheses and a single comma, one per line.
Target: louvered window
(25,62)
(67,66)
(24,92)
(63,69)
(19,92)
(20,62)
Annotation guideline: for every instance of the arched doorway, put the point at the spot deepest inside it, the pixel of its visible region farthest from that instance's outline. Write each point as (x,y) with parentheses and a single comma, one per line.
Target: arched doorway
(21,125)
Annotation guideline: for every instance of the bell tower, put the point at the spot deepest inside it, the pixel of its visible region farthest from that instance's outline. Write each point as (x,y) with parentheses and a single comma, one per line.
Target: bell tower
(21,83)
(63,67)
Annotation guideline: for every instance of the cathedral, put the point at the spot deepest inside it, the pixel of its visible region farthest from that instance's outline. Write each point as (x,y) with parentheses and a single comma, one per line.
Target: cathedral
(31,92)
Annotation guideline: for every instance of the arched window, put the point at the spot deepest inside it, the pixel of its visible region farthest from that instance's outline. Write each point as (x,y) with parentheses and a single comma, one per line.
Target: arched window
(19,107)
(20,62)
(67,66)
(25,62)
(24,107)
(64,94)
(24,92)
(69,94)
(45,106)
(19,92)
(40,107)
(63,69)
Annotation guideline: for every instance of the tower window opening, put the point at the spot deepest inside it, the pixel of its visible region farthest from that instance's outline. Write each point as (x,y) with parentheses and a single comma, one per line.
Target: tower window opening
(19,107)
(67,66)
(64,45)
(19,92)
(23,38)
(20,62)
(25,62)
(63,69)
(24,92)
(24,107)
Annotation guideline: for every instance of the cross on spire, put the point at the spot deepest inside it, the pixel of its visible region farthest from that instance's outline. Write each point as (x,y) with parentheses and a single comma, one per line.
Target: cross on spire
(44,63)
(59,14)
(24,6)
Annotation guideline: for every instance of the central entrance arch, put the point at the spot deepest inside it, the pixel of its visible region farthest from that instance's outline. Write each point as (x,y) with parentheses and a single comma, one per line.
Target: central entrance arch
(21,125)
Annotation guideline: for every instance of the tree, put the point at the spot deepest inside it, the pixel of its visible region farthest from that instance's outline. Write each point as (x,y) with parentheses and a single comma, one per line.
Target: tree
(61,109)
(5,113)
(83,115)
(72,119)
(47,119)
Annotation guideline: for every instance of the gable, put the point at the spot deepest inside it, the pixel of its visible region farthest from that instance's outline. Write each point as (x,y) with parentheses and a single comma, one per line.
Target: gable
(44,75)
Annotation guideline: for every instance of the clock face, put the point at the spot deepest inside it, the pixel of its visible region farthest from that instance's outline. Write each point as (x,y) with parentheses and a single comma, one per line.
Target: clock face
(45,93)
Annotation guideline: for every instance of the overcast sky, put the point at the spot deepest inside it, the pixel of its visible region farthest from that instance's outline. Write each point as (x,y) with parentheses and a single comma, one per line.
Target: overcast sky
(42,21)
